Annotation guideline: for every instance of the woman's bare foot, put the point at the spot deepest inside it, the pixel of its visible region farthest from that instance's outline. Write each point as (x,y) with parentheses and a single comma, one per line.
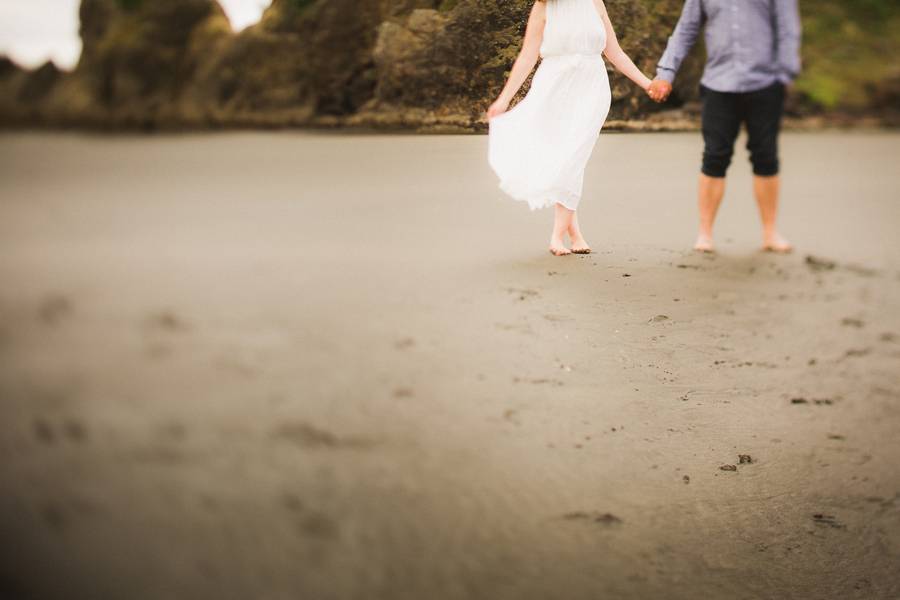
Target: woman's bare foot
(704,243)
(579,246)
(773,242)
(557,248)
(562,223)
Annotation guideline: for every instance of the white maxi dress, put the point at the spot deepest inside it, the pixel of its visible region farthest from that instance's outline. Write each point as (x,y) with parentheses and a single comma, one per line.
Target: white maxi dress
(540,148)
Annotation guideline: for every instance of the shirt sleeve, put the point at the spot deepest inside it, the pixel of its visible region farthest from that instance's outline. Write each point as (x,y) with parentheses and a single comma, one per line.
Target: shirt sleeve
(788,30)
(682,40)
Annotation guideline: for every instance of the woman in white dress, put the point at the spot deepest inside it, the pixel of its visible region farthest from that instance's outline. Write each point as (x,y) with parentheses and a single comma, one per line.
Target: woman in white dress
(540,148)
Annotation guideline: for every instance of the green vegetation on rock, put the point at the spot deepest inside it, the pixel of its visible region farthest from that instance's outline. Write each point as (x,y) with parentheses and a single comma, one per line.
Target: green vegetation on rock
(301,4)
(850,53)
(129,4)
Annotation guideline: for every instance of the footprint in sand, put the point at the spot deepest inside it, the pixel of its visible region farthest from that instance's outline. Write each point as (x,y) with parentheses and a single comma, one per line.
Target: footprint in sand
(539,381)
(857,352)
(54,309)
(827,521)
(817,263)
(75,431)
(319,525)
(308,436)
(816,401)
(48,434)
(861,270)
(292,502)
(403,392)
(853,322)
(558,318)
(405,343)
(523,294)
(310,523)
(172,431)
(44,432)
(54,517)
(167,320)
(605,519)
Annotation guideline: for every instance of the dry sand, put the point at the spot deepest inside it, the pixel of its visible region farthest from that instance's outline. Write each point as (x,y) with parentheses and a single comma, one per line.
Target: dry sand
(296,366)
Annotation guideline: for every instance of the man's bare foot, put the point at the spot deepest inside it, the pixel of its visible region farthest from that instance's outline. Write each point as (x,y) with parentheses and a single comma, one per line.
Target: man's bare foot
(775,243)
(557,248)
(704,243)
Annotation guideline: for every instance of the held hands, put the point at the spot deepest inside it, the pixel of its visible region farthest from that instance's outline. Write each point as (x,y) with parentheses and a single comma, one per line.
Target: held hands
(659,90)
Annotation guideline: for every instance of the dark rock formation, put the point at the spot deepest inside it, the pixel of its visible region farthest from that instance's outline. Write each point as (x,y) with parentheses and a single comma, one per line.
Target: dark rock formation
(382,63)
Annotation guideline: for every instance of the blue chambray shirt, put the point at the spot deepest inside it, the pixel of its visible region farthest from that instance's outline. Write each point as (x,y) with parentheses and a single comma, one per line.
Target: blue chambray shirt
(750,44)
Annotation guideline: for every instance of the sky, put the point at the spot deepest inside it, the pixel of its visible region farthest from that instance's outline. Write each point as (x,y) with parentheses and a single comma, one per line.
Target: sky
(34,31)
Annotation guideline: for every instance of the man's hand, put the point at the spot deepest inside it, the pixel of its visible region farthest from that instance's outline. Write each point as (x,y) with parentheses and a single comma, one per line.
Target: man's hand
(659,90)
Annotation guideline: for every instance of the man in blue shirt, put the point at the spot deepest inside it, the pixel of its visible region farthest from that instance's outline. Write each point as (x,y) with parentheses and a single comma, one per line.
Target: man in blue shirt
(753,53)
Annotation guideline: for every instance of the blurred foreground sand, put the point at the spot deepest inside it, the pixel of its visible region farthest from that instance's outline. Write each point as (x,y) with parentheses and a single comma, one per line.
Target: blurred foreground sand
(273,366)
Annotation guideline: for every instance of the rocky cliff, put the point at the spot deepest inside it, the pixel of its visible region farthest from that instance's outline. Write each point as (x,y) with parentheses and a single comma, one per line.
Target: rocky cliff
(381,63)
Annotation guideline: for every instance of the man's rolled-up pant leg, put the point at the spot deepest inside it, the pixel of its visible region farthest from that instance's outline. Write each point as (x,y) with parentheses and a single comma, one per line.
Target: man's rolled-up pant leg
(722,115)
(764,111)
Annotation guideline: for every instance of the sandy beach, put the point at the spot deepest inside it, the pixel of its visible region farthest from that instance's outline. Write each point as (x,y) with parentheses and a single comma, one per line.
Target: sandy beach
(305,366)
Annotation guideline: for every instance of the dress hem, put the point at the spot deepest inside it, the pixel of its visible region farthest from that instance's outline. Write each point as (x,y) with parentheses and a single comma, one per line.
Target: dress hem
(544,198)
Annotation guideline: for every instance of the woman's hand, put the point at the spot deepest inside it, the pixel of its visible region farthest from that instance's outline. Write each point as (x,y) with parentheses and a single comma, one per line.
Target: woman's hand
(659,90)
(497,108)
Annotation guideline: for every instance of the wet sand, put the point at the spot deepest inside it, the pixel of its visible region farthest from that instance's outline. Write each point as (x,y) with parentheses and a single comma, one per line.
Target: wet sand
(276,366)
